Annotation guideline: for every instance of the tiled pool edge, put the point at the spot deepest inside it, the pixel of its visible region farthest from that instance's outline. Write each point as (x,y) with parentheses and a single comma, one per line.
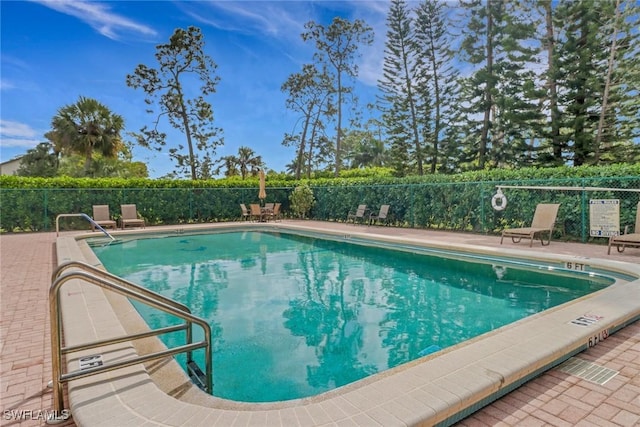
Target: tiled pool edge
(436,391)
(511,387)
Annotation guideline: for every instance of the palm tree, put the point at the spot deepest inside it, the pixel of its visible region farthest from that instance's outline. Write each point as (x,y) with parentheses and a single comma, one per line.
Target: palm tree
(229,163)
(244,164)
(363,149)
(248,161)
(85,127)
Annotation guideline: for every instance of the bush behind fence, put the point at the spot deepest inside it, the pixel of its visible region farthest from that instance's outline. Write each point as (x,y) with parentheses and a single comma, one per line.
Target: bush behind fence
(458,206)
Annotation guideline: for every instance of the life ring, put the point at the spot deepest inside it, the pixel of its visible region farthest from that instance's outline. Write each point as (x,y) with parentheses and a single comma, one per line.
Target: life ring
(499,201)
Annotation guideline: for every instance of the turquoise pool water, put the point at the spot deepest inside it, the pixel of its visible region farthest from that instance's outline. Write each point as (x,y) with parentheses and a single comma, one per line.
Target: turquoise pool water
(294,316)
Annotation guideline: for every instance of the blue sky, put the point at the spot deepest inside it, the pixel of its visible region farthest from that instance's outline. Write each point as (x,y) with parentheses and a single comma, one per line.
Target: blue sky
(53,52)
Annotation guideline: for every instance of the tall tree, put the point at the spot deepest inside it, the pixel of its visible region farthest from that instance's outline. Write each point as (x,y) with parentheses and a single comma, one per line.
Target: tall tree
(478,45)
(399,100)
(86,127)
(39,161)
(308,94)
(579,59)
(554,157)
(179,60)
(501,89)
(619,117)
(337,47)
(592,36)
(607,81)
(438,77)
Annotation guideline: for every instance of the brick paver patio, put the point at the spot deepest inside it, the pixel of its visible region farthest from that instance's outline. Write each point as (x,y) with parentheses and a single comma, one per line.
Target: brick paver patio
(553,399)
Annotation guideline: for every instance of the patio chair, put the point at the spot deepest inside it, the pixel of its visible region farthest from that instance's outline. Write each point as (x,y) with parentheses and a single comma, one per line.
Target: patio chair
(256,212)
(627,239)
(544,219)
(130,217)
(102,218)
(275,212)
(245,212)
(381,216)
(358,214)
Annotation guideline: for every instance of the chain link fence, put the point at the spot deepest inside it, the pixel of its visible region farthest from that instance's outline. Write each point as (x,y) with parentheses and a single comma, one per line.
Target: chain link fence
(462,206)
(468,206)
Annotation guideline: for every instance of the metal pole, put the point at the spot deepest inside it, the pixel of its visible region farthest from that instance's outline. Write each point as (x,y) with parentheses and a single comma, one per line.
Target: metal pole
(533,187)
(46,212)
(56,345)
(482,217)
(584,216)
(135,292)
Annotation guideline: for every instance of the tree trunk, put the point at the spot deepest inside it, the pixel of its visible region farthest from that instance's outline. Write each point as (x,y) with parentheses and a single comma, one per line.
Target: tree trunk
(484,137)
(553,89)
(339,130)
(303,143)
(607,82)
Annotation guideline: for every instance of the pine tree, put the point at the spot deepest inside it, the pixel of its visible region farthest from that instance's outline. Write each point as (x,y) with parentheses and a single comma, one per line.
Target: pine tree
(399,101)
(437,83)
(502,88)
(581,56)
(181,59)
(619,117)
(309,93)
(337,49)
(552,146)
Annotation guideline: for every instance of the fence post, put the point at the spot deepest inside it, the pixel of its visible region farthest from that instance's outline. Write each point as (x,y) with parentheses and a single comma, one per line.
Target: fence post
(46,210)
(584,213)
(482,216)
(191,190)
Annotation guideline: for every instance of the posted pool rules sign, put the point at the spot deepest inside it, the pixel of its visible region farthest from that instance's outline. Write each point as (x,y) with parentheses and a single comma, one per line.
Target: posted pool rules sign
(604,217)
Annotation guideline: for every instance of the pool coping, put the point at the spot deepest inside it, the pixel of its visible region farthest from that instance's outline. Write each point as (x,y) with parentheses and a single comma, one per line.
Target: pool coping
(434,390)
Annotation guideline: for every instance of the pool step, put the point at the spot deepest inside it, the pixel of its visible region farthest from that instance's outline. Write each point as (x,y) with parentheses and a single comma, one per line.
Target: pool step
(197,376)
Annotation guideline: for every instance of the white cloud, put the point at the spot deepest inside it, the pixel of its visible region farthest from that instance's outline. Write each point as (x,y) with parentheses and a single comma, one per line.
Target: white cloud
(284,21)
(374,13)
(15,134)
(279,20)
(6,84)
(99,17)
(18,143)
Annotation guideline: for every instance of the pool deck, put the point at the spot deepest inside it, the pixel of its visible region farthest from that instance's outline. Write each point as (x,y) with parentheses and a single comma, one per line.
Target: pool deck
(554,398)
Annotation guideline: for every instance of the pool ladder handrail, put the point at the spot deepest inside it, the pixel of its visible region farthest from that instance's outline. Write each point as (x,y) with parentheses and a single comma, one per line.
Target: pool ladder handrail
(85,216)
(106,280)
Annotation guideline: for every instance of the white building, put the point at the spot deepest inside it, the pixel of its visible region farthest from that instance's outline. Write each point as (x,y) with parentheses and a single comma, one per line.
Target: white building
(10,167)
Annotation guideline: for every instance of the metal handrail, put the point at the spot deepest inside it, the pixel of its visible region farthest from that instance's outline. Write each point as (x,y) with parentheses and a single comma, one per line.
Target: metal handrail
(85,216)
(121,286)
(105,274)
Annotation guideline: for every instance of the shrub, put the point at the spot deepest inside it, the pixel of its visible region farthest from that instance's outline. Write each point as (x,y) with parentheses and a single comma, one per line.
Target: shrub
(302,200)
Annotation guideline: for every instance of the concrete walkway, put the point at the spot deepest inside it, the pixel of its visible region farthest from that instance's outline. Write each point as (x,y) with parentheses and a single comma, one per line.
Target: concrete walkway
(553,399)
(26,264)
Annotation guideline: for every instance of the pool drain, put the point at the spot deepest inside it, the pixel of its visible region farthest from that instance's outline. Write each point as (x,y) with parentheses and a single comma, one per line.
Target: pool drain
(587,370)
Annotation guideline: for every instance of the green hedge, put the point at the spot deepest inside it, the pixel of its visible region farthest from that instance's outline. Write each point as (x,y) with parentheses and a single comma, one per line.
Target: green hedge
(449,202)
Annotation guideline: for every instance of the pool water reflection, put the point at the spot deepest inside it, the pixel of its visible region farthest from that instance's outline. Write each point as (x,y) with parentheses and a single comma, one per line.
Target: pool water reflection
(294,316)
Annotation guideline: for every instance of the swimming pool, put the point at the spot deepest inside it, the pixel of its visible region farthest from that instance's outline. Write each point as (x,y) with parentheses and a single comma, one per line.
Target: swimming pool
(437,390)
(299,314)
